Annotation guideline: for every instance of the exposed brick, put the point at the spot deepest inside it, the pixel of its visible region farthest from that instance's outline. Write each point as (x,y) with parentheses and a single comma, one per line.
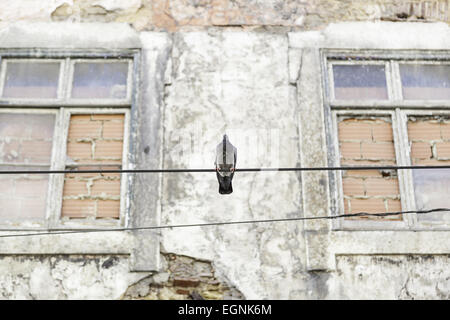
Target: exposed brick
(394,205)
(79,150)
(354,130)
(382,187)
(445,130)
(353,186)
(84,129)
(424,130)
(108,209)
(184,282)
(371,205)
(108,149)
(113,129)
(350,150)
(107,187)
(82,176)
(107,117)
(78,208)
(80,117)
(94,174)
(443,149)
(382,131)
(104,162)
(421,150)
(75,187)
(182,291)
(362,173)
(367,162)
(371,150)
(431,162)
(112,175)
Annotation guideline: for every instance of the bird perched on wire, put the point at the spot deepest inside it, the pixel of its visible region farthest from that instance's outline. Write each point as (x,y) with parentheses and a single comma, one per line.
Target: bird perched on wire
(225,163)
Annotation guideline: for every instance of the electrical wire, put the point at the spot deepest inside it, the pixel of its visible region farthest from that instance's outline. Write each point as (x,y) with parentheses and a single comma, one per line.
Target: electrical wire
(341,168)
(359,214)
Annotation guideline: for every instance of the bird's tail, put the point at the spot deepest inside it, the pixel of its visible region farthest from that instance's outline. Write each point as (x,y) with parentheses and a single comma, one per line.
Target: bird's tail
(225,186)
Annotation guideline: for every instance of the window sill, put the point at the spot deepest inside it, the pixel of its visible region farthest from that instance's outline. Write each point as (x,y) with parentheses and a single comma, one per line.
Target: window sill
(105,242)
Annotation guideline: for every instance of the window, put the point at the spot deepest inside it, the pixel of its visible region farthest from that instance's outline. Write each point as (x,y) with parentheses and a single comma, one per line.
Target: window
(389,110)
(64,113)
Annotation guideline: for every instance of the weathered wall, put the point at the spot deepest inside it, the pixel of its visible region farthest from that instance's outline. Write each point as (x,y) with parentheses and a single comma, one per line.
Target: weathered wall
(199,81)
(391,277)
(216,88)
(64,277)
(181,14)
(108,277)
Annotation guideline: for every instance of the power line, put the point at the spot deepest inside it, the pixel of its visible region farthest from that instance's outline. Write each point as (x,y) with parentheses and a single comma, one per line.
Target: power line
(341,168)
(359,214)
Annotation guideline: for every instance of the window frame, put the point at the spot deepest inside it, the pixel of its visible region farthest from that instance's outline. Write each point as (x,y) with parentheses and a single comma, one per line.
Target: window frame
(66,75)
(63,106)
(398,109)
(57,222)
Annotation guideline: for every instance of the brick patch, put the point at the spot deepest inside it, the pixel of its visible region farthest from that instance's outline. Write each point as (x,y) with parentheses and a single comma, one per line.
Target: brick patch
(430,140)
(95,141)
(368,141)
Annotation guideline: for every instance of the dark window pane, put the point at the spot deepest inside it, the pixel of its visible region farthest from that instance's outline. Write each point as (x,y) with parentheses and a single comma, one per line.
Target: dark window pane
(425,81)
(31,80)
(100,80)
(359,82)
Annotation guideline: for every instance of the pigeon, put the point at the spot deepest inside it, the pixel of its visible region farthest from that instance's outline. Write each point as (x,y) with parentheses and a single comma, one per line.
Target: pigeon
(225,164)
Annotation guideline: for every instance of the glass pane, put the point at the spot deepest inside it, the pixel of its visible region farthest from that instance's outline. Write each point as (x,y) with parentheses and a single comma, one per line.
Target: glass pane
(23,196)
(359,82)
(425,81)
(100,80)
(432,190)
(25,144)
(26,138)
(31,80)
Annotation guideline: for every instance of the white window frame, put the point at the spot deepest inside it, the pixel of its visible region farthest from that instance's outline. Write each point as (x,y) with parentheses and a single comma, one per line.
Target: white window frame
(395,107)
(67,60)
(63,107)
